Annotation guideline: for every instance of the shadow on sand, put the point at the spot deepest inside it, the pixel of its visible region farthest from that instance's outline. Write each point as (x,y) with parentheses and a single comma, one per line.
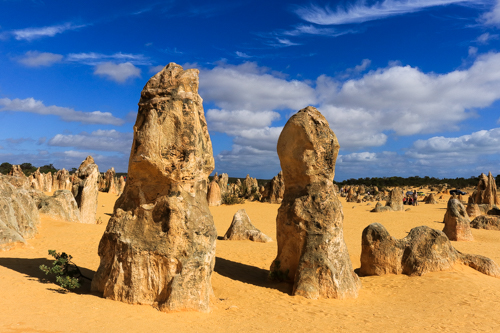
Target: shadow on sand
(249,274)
(30,267)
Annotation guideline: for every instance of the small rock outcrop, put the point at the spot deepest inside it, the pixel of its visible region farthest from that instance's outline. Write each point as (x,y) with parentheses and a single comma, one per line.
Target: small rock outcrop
(223,183)
(85,188)
(424,250)
(61,205)
(213,194)
(274,190)
(241,228)
(159,245)
(60,181)
(488,222)
(393,204)
(430,199)
(309,227)
(456,222)
(121,185)
(19,217)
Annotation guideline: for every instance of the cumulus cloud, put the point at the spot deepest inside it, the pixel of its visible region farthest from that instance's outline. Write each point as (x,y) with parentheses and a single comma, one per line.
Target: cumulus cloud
(102,140)
(39,59)
(241,160)
(30,34)
(253,88)
(486,38)
(156,69)
(117,72)
(233,122)
(66,114)
(361,12)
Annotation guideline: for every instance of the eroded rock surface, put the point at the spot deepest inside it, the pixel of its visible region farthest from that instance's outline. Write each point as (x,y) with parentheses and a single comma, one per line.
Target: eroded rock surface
(423,250)
(213,194)
(274,190)
(430,199)
(456,222)
(486,191)
(61,205)
(159,245)
(19,217)
(311,249)
(488,222)
(241,228)
(85,189)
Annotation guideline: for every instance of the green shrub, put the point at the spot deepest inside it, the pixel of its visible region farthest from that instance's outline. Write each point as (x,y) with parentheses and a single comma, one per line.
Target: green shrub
(231,199)
(67,273)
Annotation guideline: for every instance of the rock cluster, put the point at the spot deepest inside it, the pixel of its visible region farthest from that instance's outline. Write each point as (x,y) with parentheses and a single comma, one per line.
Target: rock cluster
(61,205)
(241,228)
(19,217)
(274,190)
(423,250)
(159,245)
(486,191)
(108,182)
(61,181)
(430,199)
(393,204)
(456,222)
(311,249)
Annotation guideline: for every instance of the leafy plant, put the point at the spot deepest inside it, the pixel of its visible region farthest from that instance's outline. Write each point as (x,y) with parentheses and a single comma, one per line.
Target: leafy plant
(67,273)
(277,274)
(231,199)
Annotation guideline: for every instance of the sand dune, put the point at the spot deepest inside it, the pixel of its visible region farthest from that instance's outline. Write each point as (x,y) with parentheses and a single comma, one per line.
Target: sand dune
(452,301)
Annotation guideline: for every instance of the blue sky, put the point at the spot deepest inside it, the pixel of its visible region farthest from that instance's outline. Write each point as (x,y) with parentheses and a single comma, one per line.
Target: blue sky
(409,87)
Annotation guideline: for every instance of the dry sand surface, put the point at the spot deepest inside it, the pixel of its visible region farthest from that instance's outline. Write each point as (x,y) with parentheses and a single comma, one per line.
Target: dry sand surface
(461,300)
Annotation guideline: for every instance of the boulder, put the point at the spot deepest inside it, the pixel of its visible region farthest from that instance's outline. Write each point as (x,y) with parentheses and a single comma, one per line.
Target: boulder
(19,217)
(312,252)
(159,245)
(488,222)
(396,200)
(456,222)
(61,205)
(241,228)
(422,251)
(85,188)
(213,194)
(379,208)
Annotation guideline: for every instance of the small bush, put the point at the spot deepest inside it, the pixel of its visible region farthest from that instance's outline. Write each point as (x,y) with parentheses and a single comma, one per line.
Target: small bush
(67,273)
(231,199)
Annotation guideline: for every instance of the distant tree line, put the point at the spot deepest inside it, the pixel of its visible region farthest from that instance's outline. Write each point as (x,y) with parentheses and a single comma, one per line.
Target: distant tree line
(27,168)
(414,181)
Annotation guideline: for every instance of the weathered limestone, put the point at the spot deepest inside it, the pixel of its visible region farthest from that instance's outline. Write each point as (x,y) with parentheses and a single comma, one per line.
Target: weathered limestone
(486,191)
(121,185)
(61,205)
(86,189)
(19,216)
(17,178)
(213,194)
(16,171)
(394,202)
(488,222)
(159,246)
(241,228)
(274,190)
(61,181)
(223,183)
(250,186)
(108,182)
(48,182)
(311,249)
(456,222)
(430,199)
(423,250)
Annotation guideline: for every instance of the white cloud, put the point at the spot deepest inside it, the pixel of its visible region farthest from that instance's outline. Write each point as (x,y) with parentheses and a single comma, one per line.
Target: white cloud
(361,12)
(492,17)
(92,58)
(67,114)
(485,38)
(249,87)
(242,160)
(242,55)
(103,140)
(30,34)
(472,51)
(117,72)
(38,59)
(156,69)
(233,122)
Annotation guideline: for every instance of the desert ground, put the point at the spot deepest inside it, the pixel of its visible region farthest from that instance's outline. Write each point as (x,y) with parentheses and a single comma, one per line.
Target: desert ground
(461,300)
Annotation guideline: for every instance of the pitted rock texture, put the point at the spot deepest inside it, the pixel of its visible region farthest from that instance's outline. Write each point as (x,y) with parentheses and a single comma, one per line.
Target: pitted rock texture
(424,250)
(85,189)
(488,222)
(61,205)
(311,247)
(223,183)
(60,181)
(241,228)
(159,245)
(19,217)
(456,222)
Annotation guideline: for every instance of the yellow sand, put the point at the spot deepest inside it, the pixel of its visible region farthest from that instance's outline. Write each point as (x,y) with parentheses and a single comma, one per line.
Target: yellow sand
(461,300)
